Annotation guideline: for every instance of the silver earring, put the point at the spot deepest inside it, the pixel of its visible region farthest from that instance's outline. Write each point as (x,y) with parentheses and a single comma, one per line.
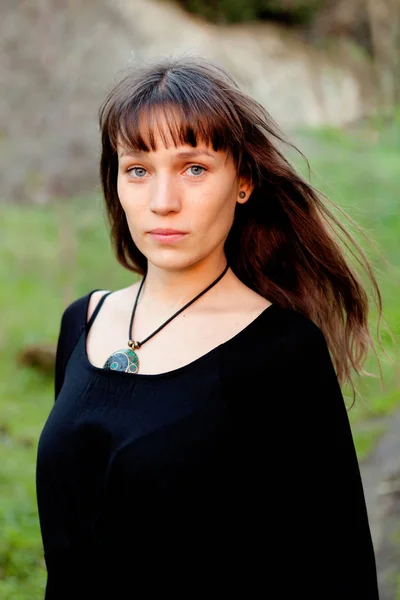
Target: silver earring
(242,194)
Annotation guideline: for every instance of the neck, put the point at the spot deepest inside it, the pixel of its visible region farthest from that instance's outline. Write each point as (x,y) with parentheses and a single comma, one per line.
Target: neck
(172,289)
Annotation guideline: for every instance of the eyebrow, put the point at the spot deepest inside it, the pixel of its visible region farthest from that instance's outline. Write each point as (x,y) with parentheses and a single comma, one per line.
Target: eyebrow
(185,154)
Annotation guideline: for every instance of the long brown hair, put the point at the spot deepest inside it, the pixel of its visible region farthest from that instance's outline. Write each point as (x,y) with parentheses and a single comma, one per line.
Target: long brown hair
(285,243)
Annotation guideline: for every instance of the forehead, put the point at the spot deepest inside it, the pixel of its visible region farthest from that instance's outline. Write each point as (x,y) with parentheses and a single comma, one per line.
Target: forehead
(180,153)
(166,128)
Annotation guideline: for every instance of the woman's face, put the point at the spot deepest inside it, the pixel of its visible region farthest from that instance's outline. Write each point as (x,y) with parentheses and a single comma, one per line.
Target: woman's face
(179,202)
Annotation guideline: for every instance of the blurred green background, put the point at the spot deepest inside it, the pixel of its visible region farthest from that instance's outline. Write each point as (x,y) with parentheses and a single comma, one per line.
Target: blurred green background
(56,249)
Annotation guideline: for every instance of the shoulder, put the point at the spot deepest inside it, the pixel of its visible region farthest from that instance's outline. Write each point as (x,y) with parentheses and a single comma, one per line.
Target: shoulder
(92,300)
(275,324)
(284,341)
(279,341)
(292,355)
(291,329)
(298,352)
(77,312)
(119,298)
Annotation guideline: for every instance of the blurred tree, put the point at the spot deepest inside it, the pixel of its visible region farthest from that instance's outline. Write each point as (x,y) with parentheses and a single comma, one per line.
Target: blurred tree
(294,12)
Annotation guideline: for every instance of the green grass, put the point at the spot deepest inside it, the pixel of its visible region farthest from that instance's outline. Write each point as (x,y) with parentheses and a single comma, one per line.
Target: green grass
(52,255)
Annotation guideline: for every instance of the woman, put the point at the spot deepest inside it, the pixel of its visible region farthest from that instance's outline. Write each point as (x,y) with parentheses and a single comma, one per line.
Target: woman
(199,443)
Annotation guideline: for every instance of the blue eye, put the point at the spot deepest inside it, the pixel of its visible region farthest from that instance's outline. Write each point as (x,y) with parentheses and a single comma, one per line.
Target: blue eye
(197,170)
(138,172)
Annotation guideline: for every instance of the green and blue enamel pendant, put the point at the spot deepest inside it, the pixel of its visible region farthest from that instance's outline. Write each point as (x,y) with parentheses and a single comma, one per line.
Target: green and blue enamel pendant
(125,360)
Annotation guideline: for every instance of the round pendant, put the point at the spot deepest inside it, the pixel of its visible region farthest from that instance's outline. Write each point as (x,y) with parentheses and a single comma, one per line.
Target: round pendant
(125,360)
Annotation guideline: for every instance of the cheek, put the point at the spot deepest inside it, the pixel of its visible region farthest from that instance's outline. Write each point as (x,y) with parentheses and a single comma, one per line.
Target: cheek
(120,192)
(221,210)
(215,218)
(125,199)
(123,191)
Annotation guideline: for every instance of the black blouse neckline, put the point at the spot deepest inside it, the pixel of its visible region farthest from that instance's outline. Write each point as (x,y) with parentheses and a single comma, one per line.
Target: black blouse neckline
(197,362)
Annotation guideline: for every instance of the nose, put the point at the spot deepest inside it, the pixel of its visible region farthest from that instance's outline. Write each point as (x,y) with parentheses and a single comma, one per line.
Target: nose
(164,196)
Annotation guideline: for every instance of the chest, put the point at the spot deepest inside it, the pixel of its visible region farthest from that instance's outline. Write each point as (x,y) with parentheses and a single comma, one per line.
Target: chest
(184,340)
(133,423)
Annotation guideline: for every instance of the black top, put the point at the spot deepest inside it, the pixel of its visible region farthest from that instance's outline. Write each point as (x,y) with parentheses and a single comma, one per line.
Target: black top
(235,474)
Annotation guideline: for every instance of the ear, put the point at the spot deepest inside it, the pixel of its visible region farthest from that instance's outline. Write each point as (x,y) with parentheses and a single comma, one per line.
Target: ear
(245,188)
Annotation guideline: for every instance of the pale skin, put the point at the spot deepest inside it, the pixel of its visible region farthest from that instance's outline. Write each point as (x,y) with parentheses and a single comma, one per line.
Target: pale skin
(194,190)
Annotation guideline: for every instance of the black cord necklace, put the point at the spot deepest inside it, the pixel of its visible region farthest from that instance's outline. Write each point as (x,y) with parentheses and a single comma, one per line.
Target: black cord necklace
(127,360)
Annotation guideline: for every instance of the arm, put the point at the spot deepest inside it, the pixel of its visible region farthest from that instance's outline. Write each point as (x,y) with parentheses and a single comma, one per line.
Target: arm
(61,361)
(329,493)
(72,324)
(295,502)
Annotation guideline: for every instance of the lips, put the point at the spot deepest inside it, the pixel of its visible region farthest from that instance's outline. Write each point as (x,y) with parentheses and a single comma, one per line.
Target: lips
(167,232)
(167,236)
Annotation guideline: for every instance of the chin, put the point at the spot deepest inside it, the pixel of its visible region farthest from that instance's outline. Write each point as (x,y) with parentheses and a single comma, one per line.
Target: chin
(173,263)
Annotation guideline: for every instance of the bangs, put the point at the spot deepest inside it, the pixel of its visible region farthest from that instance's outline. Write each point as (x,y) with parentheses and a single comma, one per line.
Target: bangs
(178,117)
